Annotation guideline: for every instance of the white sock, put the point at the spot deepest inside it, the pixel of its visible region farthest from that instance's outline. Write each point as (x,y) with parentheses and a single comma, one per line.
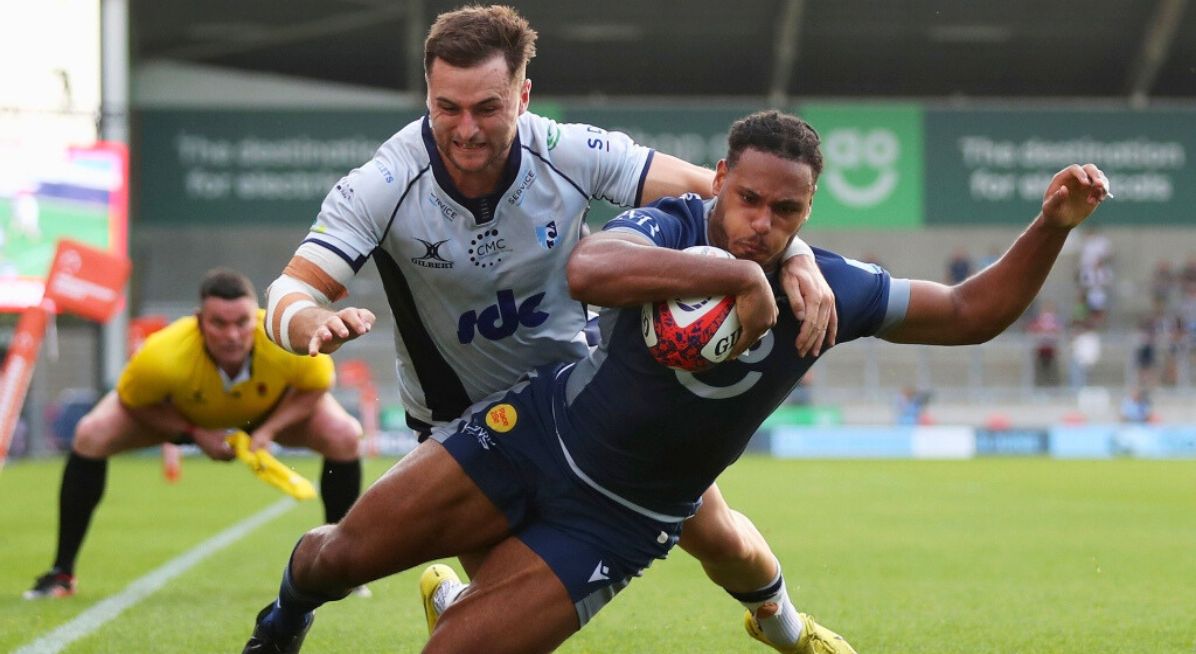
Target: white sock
(784,627)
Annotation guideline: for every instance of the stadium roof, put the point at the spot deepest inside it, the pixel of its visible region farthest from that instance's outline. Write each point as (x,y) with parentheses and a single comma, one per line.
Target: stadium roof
(1140,50)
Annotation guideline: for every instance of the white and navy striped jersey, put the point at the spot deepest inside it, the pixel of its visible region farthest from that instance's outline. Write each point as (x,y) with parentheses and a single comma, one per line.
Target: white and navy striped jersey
(654,438)
(477,285)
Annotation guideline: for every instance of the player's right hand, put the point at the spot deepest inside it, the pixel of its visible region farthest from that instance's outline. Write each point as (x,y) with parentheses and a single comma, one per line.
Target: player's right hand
(340,328)
(757,311)
(213,443)
(1073,194)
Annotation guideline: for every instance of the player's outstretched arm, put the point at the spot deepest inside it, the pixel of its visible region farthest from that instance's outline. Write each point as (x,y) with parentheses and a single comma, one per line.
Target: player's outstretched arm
(983,305)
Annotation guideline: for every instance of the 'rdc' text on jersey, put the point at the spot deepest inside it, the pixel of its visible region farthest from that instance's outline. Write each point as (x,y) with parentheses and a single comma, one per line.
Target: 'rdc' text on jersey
(500,320)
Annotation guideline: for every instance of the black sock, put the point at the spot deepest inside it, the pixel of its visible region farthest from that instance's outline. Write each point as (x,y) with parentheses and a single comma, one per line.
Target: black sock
(340,484)
(83,482)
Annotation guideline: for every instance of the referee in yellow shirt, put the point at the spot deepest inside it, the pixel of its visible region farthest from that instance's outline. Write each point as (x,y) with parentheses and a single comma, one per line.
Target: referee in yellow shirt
(191,382)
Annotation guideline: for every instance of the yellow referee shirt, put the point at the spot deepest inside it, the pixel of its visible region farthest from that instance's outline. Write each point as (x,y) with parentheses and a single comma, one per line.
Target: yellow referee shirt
(174,366)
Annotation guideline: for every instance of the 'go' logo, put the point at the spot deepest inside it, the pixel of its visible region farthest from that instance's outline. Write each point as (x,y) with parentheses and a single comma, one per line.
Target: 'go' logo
(850,149)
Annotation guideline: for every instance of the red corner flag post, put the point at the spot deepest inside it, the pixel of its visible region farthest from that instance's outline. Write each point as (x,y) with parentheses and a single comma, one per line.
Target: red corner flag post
(83,281)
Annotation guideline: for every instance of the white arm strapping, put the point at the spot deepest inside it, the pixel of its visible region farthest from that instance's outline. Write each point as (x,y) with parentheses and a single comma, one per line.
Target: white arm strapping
(324,259)
(284,325)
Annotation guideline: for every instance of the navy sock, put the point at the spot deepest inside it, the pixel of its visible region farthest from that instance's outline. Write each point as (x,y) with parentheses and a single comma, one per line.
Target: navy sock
(294,607)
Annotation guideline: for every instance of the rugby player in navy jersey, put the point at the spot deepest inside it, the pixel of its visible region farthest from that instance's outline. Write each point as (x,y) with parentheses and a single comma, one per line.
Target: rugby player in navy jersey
(469,214)
(583,474)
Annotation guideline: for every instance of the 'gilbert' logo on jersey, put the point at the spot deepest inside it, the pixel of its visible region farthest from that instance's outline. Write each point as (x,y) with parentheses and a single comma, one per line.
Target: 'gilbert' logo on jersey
(432,258)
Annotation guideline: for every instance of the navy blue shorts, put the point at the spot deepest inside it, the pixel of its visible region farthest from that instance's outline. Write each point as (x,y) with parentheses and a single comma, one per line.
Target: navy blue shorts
(508,445)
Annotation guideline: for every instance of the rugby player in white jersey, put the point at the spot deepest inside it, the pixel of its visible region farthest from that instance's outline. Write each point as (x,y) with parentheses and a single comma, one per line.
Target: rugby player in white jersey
(470,214)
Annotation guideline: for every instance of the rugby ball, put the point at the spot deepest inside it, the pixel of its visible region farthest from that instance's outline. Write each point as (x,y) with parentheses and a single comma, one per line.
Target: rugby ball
(693,333)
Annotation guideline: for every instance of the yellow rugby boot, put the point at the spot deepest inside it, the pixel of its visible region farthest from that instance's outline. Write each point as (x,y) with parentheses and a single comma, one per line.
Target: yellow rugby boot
(434,584)
(815,638)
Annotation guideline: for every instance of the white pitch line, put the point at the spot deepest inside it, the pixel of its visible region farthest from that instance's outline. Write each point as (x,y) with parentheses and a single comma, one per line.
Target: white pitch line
(107,610)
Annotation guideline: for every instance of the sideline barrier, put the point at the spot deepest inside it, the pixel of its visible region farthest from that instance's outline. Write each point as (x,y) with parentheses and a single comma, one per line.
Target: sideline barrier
(965,442)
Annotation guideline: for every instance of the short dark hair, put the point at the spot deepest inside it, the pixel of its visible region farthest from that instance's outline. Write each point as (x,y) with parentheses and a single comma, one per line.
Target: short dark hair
(773,132)
(226,284)
(473,34)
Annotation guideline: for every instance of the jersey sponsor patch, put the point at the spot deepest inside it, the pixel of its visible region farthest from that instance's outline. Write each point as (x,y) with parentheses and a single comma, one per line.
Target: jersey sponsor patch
(486,249)
(501,319)
(502,418)
(546,235)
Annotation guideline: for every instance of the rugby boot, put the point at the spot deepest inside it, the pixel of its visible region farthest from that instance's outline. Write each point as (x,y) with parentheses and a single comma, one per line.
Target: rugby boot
(53,584)
(436,584)
(815,638)
(266,641)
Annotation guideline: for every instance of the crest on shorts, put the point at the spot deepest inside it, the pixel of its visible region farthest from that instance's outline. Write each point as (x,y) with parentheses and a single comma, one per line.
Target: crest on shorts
(501,418)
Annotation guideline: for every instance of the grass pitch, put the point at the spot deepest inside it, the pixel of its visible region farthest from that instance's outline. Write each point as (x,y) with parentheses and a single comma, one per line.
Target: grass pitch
(997,555)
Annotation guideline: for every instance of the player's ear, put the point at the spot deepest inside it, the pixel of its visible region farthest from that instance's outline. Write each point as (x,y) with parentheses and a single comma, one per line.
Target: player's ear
(720,174)
(525,94)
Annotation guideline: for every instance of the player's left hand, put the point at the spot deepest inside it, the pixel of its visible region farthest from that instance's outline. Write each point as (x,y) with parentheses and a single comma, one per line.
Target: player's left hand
(812,302)
(340,328)
(1073,194)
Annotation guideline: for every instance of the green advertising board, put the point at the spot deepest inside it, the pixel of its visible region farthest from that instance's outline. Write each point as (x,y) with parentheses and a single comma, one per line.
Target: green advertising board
(887,166)
(233,166)
(986,167)
(872,165)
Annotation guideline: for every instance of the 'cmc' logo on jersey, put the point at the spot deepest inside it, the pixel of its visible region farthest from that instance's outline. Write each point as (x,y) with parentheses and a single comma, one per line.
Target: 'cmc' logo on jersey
(486,249)
(501,319)
(546,235)
(501,418)
(432,258)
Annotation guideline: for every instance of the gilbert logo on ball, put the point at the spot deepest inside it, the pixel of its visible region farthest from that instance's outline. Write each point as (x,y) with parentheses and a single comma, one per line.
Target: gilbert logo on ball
(691,333)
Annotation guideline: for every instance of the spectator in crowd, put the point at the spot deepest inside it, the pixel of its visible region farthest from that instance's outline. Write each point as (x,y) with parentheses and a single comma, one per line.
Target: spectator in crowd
(1151,329)
(1095,274)
(911,406)
(1162,285)
(1047,329)
(1136,408)
(1175,340)
(1187,275)
(1085,352)
(959,266)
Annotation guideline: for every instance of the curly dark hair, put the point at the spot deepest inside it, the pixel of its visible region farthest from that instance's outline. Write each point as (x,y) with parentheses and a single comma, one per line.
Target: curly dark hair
(473,34)
(783,135)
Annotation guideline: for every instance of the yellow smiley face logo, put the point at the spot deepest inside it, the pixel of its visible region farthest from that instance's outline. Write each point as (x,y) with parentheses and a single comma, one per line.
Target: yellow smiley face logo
(501,418)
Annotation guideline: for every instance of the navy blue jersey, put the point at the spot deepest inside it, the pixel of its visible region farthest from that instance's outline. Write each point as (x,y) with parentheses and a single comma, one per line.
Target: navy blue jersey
(654,438)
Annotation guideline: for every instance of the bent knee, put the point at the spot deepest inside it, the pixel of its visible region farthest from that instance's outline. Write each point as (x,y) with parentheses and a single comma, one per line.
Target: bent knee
(331,552)
(92,439)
